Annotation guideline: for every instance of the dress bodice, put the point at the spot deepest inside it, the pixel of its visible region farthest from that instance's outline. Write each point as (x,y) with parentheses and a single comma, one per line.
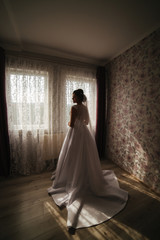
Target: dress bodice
(82,114)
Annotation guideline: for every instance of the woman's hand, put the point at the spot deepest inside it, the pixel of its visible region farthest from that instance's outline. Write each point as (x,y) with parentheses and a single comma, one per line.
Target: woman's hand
(85,122)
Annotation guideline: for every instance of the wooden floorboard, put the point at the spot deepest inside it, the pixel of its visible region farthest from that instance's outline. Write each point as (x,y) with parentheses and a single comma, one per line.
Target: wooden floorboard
(27,212)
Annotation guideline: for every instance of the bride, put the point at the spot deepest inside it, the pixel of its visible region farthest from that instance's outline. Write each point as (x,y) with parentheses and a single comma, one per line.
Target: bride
(90,195)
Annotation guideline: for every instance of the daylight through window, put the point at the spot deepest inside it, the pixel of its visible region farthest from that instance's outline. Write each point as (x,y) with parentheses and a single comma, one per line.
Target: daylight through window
(28,98)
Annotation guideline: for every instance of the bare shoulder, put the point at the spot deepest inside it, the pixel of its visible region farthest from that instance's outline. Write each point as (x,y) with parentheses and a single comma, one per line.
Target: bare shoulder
(73,109)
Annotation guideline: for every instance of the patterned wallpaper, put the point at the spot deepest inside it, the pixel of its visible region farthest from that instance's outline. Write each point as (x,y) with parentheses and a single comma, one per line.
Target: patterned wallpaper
(133,121)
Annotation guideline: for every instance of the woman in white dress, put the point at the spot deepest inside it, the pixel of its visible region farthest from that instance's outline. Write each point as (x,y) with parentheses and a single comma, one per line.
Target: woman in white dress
(91,195)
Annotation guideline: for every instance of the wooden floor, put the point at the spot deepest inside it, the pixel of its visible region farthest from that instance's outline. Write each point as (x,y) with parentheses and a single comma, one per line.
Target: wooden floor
(27,212)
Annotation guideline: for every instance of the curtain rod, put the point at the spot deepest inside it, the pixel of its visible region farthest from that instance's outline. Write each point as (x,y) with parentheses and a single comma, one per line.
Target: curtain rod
(52,59)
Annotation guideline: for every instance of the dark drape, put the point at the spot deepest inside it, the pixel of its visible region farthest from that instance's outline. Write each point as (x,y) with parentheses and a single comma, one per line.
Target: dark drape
(4,138)
(100,109)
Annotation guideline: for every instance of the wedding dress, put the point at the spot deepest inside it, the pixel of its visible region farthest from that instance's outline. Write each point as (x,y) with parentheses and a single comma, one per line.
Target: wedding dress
(90,195)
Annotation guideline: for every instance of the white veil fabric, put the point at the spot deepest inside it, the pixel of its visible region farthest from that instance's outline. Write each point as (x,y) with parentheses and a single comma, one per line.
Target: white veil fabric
(90,127)
(91,195)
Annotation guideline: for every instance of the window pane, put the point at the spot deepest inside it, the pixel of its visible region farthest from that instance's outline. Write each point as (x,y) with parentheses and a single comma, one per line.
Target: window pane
(29,100)
(89,87)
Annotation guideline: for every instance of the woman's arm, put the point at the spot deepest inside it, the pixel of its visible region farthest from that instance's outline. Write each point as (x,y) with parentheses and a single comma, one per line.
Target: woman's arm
(72,117)
(86,121)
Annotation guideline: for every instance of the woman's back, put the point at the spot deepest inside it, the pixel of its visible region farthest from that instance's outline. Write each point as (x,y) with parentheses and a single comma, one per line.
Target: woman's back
(82,113)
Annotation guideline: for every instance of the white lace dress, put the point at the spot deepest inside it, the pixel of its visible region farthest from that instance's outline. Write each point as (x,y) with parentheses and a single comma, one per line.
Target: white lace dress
(91,195)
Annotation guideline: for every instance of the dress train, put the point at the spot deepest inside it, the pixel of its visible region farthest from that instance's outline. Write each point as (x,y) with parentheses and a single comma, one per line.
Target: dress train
(90,195)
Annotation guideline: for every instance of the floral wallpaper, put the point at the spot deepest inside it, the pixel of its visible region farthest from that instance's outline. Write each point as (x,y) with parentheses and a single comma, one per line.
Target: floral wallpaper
(133,119)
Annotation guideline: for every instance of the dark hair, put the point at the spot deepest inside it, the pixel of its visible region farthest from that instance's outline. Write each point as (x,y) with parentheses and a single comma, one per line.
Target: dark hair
(79,93)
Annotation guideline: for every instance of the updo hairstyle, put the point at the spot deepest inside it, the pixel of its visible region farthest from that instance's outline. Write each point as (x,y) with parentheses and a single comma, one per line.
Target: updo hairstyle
(79,93)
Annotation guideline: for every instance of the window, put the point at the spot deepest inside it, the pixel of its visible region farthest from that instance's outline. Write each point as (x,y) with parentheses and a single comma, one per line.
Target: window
(88,85)
(28,99)
(37,93)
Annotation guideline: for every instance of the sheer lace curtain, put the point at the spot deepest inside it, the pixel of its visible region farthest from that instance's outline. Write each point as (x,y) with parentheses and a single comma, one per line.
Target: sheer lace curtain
(39,97)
